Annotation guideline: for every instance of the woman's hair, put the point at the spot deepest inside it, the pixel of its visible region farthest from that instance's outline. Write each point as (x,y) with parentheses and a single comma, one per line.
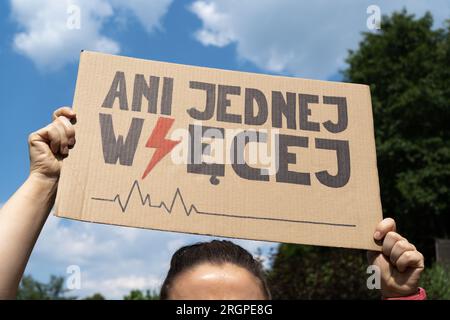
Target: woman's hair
(214,252)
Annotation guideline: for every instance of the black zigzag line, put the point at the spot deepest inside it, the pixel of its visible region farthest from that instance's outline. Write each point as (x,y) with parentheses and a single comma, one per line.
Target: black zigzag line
(146,200)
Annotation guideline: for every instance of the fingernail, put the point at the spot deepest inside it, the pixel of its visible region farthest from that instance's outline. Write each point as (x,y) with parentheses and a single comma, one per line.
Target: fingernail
(71,141)
(377,235)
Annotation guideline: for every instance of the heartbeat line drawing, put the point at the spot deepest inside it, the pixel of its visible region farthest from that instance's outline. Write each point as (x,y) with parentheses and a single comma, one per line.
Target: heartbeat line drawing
(146,200)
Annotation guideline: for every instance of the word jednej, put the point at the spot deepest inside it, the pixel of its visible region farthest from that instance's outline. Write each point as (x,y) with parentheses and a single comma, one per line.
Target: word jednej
(288,110)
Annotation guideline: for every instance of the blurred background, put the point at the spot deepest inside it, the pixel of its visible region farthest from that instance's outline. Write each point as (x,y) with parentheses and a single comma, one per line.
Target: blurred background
(400,48)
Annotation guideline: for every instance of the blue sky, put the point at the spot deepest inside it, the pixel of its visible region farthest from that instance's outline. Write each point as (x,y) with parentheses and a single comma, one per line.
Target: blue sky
(38,67)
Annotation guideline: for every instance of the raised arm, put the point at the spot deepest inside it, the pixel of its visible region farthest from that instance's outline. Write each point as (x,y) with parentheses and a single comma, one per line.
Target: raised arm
(24,214)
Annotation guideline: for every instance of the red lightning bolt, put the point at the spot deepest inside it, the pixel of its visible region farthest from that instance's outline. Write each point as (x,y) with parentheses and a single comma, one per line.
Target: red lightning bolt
(158,141)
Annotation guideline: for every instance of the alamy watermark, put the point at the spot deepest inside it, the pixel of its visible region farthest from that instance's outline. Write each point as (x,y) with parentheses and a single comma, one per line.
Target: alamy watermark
(373,21)
(73,21)
(374,279)
(73,280)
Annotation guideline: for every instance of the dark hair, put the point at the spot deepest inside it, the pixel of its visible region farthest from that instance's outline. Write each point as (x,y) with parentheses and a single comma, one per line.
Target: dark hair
(215,252)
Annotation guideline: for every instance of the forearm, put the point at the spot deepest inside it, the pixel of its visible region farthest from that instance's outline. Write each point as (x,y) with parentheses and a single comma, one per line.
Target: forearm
(21,220)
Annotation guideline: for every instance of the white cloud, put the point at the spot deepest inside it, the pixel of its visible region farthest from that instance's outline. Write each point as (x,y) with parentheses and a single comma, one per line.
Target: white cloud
(304,38)
(149,13)
(217,30)
(48,37)
(113,260)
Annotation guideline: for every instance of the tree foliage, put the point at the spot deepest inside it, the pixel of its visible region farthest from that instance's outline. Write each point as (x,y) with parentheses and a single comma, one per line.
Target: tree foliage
(141,295)
(307,272)
(95,296)
(436,280)
(31,289)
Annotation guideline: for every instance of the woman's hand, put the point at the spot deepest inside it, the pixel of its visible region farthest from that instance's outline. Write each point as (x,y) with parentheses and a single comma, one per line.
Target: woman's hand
(49,145)
(400,263)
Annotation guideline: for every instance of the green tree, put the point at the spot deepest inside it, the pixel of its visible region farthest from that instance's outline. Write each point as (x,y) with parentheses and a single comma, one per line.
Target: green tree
(31,289)
(406,65)
(95,296)
(436,280)
(141,295)
(307,272)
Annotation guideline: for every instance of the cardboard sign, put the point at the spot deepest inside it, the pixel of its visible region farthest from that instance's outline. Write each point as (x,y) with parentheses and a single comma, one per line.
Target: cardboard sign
(205,151)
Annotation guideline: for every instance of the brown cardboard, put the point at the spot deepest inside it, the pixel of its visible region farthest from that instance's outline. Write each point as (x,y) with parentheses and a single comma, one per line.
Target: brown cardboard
(332,203)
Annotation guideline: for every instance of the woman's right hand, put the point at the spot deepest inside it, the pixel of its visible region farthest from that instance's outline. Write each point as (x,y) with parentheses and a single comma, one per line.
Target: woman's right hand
(49,145)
